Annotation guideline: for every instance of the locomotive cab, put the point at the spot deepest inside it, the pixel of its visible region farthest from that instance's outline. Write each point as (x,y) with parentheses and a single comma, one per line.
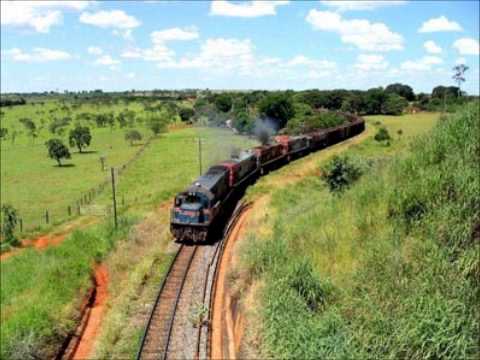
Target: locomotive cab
(191,208)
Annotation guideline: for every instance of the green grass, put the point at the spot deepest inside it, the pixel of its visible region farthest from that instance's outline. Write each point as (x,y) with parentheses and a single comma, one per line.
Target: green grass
(389,268)
(33,183)
(41,291)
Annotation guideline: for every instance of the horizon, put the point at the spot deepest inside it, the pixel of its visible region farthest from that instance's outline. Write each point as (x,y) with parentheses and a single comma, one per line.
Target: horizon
(118,46)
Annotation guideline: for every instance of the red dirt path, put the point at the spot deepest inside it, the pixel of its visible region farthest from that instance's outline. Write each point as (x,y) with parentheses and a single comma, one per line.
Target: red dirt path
(95,315)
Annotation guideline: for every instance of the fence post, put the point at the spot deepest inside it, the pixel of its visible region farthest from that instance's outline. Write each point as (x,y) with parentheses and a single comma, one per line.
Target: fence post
(20,221)
(114,199)
(46,217)
(69,209)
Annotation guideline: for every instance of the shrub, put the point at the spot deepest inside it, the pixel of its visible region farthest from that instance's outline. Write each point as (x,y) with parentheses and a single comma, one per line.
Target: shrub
(9,221)
(340,173)
(278,107)
(132,136)
(80,137)
(382,135)
(57,150)
(186,113)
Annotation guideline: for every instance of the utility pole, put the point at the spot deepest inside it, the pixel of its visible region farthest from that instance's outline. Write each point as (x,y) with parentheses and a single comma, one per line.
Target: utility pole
(200,154)
(114,199)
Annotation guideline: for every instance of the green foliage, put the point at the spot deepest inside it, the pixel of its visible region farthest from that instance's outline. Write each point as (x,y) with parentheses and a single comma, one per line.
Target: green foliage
(80,137)
(340,173)
(57,126)
(394,105)
(3,133)
(441,92)
(29,126)
(157,123)
(402,90)
(382,135)
(223,102)
(186,113)
(395,257)
(277,107)
(132,136)
(9,222)
(243,123)
(41,291)
(57,150)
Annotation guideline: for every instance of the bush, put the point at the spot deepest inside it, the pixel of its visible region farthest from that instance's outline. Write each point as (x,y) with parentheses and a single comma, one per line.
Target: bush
(223,103)
(80,137)
(382,135)
(9,222)
(340,173)
(394,105)
(277,107)
(186,113)
(132,136)
(57,150)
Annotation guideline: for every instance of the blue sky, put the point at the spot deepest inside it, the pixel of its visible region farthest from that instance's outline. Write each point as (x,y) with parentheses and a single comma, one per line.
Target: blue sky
(122,45)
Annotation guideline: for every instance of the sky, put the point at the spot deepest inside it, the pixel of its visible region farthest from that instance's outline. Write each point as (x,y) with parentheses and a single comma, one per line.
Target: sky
(125,45)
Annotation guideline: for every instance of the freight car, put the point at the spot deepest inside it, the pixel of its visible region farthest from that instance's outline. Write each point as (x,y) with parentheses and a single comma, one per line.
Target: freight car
(197,210)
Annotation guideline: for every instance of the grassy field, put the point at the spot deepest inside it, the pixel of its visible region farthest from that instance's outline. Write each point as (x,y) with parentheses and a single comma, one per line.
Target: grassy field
(387,269)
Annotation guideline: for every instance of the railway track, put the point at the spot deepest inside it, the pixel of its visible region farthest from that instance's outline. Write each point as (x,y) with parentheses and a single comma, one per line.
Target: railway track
(188,284)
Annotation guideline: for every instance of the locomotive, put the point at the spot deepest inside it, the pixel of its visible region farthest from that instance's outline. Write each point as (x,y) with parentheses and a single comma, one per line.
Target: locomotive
(197,210)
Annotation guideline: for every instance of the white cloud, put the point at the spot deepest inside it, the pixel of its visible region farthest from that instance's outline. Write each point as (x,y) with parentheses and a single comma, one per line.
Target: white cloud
(361,33)
(37,15)
(432,47)
(174,34)
(106,60)
(355,5)
(460,60)
(423,64)
(116,19)
(467,46)
(95,50)
(158,53)
(439,24)
(37,55)
(246,9)
(371,62)
(131,75)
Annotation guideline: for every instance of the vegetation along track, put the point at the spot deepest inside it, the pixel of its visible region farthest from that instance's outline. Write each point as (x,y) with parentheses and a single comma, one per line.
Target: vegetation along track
(178,325)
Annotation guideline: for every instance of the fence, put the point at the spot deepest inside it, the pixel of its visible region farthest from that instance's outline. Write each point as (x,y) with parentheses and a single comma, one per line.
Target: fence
(83,204)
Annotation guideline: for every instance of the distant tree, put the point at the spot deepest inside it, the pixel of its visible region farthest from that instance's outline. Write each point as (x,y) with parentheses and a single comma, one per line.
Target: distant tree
(394,104)
(57,150)
(186,113)
(223,102)
(80,137)
(242,122)
(374,99)
(30,127)
(157,123)
(402,90)
(441,92)
(3,133)
(459,76)
(278,107)
(57,126)
(9,222)
(132,136)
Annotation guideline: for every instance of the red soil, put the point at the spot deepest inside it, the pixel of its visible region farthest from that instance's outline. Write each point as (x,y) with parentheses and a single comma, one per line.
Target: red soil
(95,315)
(227,323)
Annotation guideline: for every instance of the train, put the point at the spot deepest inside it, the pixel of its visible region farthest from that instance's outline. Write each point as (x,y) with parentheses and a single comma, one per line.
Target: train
(198,210)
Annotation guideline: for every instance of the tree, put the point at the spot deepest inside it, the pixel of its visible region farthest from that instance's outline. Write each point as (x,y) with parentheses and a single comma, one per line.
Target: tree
(157,123)
(458,76)
(57,150)
(441,92)
(132,136)
(80,137)
(9,222)
(30,127)
(374,99)
(3,133)
(402,90)
(186,113)
(223,103)
(277,107)
(394,104)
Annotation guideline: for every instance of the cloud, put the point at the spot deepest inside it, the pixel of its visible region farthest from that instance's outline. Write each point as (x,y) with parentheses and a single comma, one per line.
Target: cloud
(432,47)
(467,46)
(158,53)
(371,62)
(106,60)
(95,50)
(38,55)
(361,33)
(116,19)
(131,75)
(246,9)
(460,60)
(39,16)
(439,24)
(423,64)
(359,5)
(174,34)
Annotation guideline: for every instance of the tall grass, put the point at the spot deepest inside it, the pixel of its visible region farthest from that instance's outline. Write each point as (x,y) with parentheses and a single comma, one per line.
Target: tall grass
(41,291)
(388,269)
